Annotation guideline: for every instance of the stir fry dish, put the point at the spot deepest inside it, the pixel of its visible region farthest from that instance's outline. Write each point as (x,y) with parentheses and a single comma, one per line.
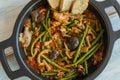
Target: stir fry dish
(62,44)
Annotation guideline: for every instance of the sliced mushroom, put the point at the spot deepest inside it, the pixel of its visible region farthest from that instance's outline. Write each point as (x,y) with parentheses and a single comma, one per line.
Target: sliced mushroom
(47,65)
(41,53)
(84,49)
(81,69)
(67,51)
(60,74)
(37,17)
(53,54)
(64,31)
(72,53)
(41,66)
(91,33)
(26,37)
(47,43)
(88,41)
(36,50)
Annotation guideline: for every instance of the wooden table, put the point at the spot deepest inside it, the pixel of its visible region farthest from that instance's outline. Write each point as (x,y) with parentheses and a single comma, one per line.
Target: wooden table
(9,10)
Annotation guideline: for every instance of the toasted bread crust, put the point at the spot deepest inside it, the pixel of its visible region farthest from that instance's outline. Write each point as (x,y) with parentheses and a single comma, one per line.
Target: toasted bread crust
(65,5)
(79,6)
(54,3)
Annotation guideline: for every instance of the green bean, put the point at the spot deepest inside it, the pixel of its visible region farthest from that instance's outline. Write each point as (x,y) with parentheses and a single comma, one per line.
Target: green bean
(92,53)
(70,77)
(32,45)
(68,29)
(33,25)
(97,45)
(75,22)
(65,24)
(80,46)
(60,41)
(55,71)
(47,29)
(43,47)
(65,58)
(60,60)
(37,30)
(98,37)
(48,22)
(47,16)
(48,46)
(62,55)
(93,30)
(85,55)
(70,73)
(54,64)
(44,39)
(25,51)
(86,67)
(84,43)
(48,74)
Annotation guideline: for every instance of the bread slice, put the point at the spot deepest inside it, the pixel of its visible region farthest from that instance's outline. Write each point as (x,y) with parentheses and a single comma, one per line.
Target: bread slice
(54,3)
(79,6)
(65,5)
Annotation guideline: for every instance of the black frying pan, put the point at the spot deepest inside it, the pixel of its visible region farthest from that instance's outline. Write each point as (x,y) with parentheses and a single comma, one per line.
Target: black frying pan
(98,8)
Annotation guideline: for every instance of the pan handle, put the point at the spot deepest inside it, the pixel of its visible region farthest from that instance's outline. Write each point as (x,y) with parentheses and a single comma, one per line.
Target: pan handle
(116,35)
(11,74)
(101,7)
(117,7)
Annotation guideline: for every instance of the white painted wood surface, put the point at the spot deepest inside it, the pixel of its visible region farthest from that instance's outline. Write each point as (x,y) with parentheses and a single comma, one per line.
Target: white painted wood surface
(9,10)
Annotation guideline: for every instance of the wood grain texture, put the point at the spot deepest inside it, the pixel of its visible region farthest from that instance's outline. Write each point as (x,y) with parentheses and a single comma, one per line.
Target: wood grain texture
(9,10)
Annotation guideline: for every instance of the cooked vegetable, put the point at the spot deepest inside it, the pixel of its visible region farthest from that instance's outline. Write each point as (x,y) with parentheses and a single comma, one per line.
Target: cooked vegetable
(61,45)
(53,55)
(40,54)
(47,29)
(67,78)
(32,45)
(80,45)
(92,53)
(26,36)
(98,37)
(47,65)
(25,52)
(48,74)
(37,17)
(72,42)
(86,67)
(54,64)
